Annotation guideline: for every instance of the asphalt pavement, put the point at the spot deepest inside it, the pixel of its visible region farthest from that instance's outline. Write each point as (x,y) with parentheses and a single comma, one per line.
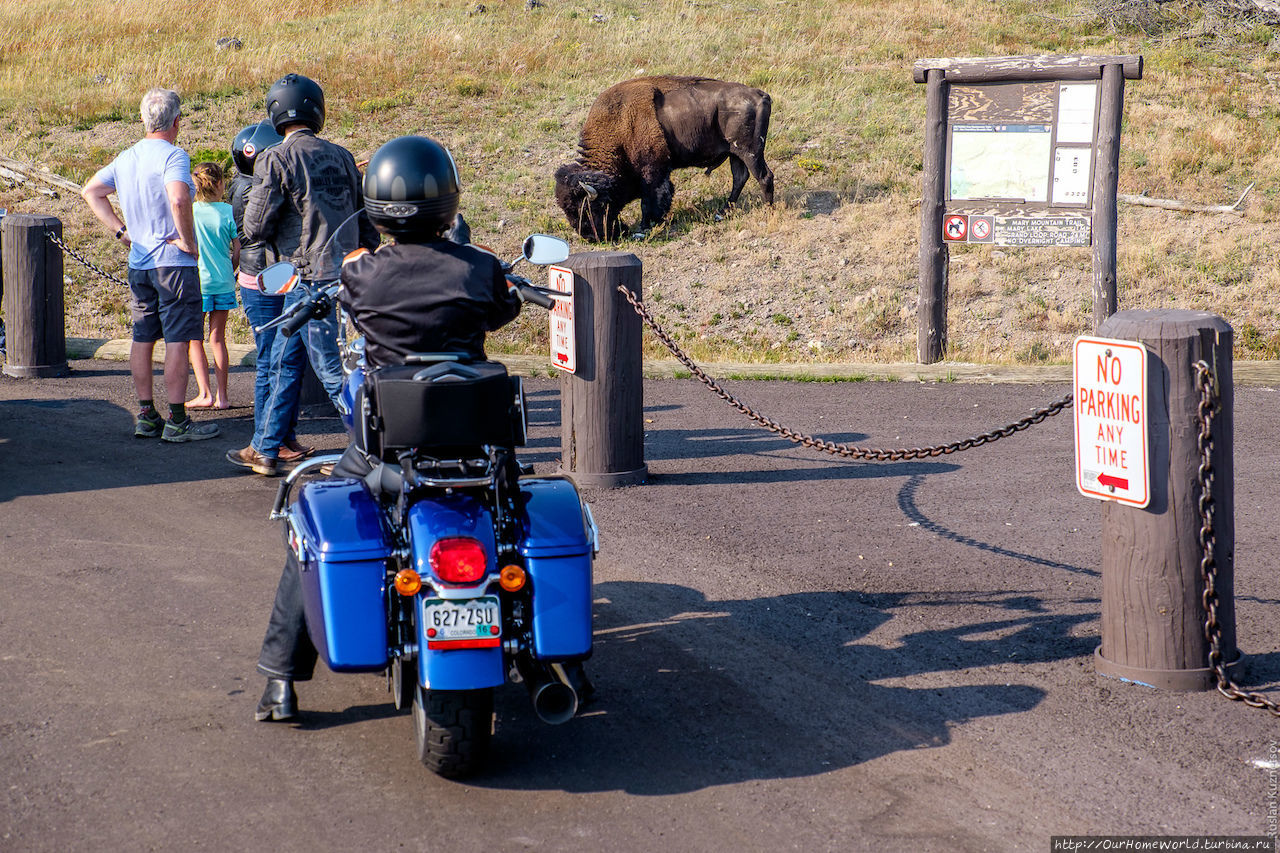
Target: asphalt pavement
(793,651)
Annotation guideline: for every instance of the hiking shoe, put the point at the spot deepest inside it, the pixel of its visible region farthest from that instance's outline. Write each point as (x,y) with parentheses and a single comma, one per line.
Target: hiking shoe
(253,460)
(148,425)
(189,430)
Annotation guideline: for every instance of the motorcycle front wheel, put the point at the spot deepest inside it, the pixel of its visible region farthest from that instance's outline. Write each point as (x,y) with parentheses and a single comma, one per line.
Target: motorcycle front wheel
(453,729)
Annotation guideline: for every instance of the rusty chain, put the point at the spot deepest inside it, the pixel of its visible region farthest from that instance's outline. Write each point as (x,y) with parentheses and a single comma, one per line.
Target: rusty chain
(846,450)
(57,241)
(1208,542)
(1207,410)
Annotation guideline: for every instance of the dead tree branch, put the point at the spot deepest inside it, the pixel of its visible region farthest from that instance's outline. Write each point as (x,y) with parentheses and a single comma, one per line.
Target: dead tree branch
(1191,207)
(30,171)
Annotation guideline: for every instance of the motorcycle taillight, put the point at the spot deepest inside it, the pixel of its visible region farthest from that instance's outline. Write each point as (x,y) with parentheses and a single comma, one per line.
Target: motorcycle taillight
(458,560)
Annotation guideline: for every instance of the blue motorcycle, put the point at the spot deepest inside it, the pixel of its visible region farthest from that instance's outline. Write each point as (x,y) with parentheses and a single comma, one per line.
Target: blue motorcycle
(449,566)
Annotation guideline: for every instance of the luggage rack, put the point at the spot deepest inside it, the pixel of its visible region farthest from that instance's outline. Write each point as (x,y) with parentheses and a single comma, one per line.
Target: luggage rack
(453,473)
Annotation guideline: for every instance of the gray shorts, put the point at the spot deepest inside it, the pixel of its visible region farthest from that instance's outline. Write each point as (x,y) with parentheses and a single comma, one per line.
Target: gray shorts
(166,302)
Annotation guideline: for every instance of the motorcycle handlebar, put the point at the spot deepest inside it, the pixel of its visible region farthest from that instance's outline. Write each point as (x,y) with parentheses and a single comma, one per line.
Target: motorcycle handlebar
(537,297)
(302,312)
(297,319)
(529,292)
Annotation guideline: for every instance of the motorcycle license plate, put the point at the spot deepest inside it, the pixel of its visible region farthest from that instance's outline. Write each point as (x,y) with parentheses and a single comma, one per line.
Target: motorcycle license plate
(474,622)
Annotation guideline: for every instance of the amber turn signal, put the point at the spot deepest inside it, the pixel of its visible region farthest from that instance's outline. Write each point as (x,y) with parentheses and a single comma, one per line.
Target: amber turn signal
(408,582)
(512,578)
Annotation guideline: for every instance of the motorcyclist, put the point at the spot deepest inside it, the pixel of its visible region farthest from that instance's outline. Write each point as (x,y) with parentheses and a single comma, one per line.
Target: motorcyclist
(305,190)
(420,293)
(255,255)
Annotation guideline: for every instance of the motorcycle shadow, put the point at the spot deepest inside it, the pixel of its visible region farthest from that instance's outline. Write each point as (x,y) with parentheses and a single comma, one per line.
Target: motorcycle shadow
(696,693)
(311,720)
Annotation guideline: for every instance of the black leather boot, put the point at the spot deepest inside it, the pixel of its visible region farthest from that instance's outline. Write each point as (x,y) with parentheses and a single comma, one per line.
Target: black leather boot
(278,701)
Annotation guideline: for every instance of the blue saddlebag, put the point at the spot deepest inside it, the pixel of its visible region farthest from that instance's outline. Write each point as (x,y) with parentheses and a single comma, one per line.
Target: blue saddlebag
(558,556)
(342,551)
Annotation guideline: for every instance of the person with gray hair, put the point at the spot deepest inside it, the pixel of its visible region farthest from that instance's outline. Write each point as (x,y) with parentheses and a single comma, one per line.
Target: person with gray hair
(152,181)
(159,108)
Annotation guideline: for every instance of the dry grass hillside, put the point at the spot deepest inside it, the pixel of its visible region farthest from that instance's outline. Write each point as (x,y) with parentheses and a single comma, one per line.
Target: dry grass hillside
(828,273)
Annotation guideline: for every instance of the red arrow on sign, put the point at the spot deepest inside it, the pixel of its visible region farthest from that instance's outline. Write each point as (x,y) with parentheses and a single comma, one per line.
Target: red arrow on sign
(1113,482)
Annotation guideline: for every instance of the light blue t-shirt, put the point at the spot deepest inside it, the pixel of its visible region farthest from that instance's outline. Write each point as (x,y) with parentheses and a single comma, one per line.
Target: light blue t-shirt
(215,229)
(139,175)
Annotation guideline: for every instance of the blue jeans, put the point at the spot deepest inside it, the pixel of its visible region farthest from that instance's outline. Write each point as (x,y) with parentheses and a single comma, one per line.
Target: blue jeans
(317,341)
(259,308)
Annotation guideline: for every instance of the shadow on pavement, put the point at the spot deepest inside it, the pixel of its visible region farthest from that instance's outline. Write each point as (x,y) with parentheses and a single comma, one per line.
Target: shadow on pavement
(316,720)
(907,503)
(792,691)
(51,446)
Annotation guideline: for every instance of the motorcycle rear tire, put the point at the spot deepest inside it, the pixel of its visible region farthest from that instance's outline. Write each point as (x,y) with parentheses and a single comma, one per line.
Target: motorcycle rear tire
(453,729)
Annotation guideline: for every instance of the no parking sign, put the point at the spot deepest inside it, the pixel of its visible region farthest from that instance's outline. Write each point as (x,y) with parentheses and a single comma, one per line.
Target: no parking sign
(1110,406)
(564,351)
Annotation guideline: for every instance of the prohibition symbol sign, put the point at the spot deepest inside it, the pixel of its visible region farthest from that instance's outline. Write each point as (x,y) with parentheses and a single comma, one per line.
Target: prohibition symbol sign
(955,228)
(981,228)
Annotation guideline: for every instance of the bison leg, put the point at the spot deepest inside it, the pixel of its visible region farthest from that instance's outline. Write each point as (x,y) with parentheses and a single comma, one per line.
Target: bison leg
(764,177)
(655,202)
(739,171)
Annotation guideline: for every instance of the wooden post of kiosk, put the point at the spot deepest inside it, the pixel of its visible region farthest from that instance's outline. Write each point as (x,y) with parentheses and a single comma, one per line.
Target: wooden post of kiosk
(1152,615)
(931,336)
(1106,183)
(1018,151)
(602,401)
(35,325)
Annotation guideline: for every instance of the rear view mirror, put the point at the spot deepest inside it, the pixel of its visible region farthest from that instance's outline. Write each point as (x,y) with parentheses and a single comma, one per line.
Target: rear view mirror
(278,278)
(544,249)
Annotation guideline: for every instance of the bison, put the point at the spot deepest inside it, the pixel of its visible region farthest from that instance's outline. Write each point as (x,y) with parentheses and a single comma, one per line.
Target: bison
(641,129)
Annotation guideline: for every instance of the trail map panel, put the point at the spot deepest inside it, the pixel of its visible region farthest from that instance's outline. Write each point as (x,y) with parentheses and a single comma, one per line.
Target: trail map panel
(1001,161)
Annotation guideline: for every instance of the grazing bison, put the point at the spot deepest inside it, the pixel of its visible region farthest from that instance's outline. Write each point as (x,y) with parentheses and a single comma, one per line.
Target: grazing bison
(641,129)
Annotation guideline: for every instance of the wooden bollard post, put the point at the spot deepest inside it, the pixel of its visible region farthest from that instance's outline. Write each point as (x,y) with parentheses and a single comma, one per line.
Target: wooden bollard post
(1152,615)
(3,212)
(33,307)
(602,402)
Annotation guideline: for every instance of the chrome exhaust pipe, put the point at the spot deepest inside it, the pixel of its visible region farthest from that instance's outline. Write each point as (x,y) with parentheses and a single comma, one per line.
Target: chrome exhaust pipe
(554,699)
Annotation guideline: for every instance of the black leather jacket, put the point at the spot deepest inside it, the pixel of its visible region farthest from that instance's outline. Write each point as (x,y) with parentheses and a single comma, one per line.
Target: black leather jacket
(425,297)
(303,189)
(254,256)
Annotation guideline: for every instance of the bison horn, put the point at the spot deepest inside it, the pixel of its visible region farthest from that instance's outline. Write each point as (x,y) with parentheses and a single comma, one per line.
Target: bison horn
(589,190)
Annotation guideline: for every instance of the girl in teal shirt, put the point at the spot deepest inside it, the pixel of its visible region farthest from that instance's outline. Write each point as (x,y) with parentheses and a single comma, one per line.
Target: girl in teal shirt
(219,257)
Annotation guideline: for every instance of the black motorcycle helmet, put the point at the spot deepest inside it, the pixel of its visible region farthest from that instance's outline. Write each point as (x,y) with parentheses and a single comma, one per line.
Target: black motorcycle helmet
(252,141)
(411,189)
(295,98)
